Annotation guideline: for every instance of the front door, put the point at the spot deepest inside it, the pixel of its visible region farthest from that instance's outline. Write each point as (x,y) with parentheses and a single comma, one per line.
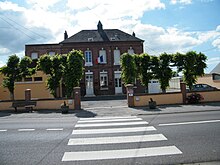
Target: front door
(89,85)
(118,86)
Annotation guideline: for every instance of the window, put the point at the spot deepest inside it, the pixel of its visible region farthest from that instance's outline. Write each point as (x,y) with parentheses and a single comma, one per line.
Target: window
(88,58)
(116,57)
(19,80)
(51,53)
(38,79)
(102,57)
(27,79)
(117,82)
(103,80)
(216,76)
(34,55)
(130,51)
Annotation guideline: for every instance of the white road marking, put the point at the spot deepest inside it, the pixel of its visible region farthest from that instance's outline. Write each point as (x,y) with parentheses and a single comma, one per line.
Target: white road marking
(117,139)
(54,129)
(187,123)
(110,117)
(118,154)
(21,130)
(110,120)
(113,130)
(106,107)
(110,124)
(3,130)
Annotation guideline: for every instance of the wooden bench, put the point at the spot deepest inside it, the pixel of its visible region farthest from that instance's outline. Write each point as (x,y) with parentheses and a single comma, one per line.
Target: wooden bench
(29,105)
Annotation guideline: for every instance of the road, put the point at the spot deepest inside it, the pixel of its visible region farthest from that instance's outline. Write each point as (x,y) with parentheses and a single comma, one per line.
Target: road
(145,139)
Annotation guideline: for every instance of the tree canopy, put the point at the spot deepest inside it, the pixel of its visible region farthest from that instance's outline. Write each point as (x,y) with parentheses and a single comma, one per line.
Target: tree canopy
(52,66)
(146,67)
(128,67)
(73,70)
(14,70)
(66,68)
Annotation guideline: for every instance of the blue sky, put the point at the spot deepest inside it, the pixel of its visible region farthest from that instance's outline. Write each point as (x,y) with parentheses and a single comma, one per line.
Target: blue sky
(166,25)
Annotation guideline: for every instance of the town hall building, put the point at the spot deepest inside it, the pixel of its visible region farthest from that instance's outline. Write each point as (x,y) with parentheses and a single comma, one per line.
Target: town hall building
(102,49)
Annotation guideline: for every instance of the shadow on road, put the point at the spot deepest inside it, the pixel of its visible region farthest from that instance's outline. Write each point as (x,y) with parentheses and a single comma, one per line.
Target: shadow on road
(84,113)
(5,113)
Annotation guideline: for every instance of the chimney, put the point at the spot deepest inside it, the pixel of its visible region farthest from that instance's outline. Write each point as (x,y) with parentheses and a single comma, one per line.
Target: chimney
(65,35)
(99,26)
(133,34)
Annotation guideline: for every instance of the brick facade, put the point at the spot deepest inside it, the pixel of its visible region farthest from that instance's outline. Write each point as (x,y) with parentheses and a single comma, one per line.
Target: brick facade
(96,69)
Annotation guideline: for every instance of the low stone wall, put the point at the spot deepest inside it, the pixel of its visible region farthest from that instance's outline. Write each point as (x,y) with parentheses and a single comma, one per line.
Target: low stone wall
(209,96)
(167,98)
(52,104)
(173,98)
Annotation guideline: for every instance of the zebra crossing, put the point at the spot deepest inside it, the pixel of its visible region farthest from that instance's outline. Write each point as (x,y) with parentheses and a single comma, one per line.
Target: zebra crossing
(107,131)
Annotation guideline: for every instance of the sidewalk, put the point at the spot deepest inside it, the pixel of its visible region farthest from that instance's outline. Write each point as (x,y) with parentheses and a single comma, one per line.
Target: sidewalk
(114,108)
(119,108)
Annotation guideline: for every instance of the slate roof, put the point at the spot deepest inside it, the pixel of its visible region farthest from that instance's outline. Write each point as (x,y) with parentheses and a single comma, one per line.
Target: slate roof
(104,35)
(216,69)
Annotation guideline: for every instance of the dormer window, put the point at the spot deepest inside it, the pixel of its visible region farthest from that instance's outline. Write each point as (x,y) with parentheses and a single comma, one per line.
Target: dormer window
(90,39)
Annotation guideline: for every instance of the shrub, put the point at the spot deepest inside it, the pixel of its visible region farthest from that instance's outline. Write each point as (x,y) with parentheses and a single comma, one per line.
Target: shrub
(194,98)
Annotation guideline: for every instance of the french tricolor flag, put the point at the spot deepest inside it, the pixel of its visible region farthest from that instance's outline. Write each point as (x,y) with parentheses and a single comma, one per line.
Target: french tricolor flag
(100,59)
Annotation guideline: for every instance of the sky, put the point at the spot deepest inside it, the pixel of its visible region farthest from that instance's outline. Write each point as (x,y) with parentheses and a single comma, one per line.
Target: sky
(166,25)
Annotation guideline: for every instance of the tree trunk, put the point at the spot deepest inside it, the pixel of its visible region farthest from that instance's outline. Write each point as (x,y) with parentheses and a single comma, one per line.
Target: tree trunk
(12,97)
(163,90)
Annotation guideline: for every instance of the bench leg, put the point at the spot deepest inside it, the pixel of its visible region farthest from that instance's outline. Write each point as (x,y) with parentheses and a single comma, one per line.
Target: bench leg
(29,109)
(16,109)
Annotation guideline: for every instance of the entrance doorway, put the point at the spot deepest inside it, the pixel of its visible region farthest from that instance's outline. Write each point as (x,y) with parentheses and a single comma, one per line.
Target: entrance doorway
(89,84)
(118,86)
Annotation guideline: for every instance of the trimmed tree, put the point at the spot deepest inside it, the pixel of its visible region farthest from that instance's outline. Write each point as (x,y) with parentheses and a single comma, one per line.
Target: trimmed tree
(73,72)
(52,66)
(14,71)
(145,69)
(192,65)
(163,71)
(128,68)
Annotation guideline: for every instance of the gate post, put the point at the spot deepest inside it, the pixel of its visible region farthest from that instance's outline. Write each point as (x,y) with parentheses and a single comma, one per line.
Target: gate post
(183,91)
(27,94)
(77,98)
(130,95)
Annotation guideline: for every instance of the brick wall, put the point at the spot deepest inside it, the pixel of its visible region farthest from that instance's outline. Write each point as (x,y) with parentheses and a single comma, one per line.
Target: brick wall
(42,49)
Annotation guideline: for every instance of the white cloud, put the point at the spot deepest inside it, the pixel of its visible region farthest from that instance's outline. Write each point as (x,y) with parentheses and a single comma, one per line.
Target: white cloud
(216,43)
(4,51)
(2,63)
(218,28)
(214,60)
(10,6)
(115,9)
(170,40)
(42,3)
(184,2)
(43,18)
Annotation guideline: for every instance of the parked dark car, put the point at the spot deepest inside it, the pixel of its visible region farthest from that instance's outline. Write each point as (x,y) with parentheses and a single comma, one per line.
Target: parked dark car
(203,87)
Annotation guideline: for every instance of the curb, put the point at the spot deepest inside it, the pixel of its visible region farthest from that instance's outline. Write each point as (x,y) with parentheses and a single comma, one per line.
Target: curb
(161,113)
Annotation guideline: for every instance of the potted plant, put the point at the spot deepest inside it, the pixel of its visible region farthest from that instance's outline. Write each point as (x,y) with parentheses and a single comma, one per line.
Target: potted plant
(194,98)
(64,107)
(152,104)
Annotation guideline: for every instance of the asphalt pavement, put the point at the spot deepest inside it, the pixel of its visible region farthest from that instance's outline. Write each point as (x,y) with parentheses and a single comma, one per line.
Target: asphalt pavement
(109,132)
(120,108)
